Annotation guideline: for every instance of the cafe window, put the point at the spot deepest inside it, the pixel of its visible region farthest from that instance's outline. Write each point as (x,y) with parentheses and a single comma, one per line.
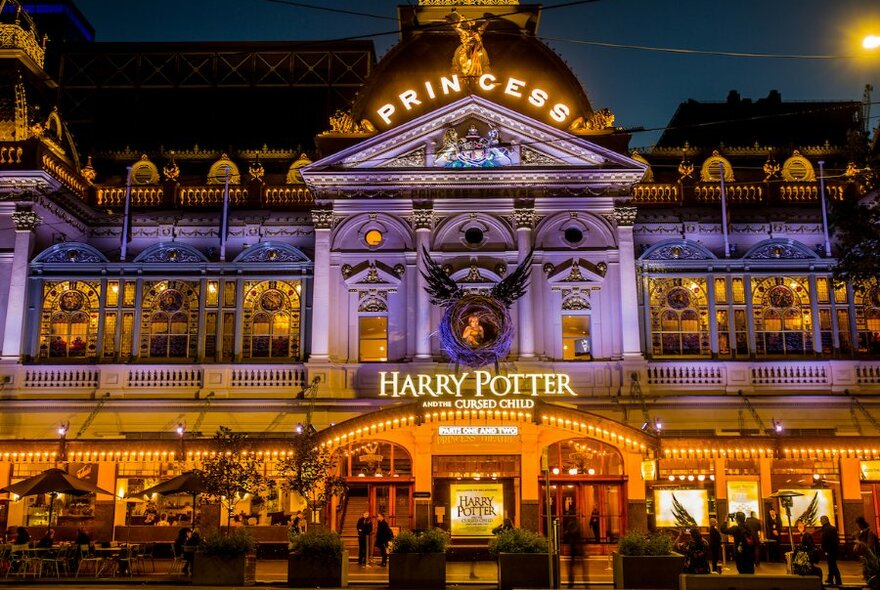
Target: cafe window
(373,338)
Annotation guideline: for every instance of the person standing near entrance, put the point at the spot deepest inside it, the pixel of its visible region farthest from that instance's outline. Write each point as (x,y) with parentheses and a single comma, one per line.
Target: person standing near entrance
(743,544)
(715,545)
(594,523)
(754,526)
(364,530)
(773,534)
(831,547)
(383,537)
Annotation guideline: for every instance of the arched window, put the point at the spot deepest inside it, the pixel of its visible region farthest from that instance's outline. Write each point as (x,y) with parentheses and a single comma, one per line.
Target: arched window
(170,320)
(69,320)
(679,317)
(272,320)
(782,316)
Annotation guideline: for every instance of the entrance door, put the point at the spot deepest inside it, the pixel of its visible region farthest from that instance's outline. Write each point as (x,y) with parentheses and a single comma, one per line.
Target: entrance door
(580,500)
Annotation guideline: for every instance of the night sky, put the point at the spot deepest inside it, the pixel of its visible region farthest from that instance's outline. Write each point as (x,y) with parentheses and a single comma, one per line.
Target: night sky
(643,88)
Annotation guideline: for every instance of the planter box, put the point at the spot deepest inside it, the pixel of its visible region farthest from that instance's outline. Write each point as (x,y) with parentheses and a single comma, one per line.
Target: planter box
(309,572)
(213,570)
(648,571)
(525,570)
(407,571)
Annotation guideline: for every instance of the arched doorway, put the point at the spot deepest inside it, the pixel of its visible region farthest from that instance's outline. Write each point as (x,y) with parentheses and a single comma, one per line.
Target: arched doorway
(587,489)
(379,476)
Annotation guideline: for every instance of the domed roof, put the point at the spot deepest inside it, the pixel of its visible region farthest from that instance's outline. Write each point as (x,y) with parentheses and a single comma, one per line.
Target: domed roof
(418,75)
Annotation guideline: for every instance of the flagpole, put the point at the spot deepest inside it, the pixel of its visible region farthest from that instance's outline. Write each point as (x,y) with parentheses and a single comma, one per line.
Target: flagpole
(123,250)
(224,221)
(724,212)
(824,212)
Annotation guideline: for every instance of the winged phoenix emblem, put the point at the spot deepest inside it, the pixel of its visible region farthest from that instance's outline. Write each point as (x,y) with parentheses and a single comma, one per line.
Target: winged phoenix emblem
(476,329)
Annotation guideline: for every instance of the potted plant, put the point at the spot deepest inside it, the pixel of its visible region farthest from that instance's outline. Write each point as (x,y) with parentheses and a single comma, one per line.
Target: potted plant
(310,471)
(418,560)
(225,560)
(317,559)
(523,559)
(647,561)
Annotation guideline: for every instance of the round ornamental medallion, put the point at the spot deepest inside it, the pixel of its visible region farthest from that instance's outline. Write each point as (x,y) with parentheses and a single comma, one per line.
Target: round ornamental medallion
(780,296)
(170,300)
(71,301)
(272,301)
(476,330)
(678,298)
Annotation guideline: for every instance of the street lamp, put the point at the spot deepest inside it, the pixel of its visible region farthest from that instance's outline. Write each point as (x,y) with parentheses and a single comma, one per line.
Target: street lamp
(181,432)
(871,42)
(62,440)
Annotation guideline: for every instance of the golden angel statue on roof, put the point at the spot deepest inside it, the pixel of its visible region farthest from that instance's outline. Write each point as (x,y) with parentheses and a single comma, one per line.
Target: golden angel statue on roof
(470,57)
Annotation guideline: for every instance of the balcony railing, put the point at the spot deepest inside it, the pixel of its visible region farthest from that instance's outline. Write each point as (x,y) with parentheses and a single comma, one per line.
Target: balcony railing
(13,36)
(141,380)
(763,376)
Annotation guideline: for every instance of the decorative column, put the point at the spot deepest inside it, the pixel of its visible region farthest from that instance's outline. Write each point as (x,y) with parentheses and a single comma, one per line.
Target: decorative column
(26,223)
(525,219)
(422,222)
(322,219)
(625,217)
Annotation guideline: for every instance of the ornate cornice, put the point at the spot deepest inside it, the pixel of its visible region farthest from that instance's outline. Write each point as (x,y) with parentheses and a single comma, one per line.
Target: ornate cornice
(422,219)
(26,220)
(322,218)
(625,216)
(524,217)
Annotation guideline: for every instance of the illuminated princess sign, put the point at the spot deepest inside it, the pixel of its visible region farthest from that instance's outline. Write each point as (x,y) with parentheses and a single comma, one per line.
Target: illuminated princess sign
(482,383)
(488,84)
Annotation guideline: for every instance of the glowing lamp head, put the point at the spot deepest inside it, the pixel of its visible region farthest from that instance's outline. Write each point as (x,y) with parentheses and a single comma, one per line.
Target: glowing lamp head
(62,430)
(180,429)
(871,42)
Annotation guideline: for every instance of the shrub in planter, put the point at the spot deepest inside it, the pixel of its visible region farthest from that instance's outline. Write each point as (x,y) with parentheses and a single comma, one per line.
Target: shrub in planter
(418,560)
(317,560)
(225,560)
(523,561)
(647,561)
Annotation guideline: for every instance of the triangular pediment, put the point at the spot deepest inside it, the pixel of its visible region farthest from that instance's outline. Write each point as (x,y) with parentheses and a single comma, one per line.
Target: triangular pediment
(476,142)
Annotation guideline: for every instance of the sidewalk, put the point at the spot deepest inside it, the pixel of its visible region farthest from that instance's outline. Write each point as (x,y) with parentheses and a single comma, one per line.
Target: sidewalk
(595,572)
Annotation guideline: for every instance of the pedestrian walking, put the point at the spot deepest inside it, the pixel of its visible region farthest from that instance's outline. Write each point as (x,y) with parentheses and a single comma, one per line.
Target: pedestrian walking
(743,543)
(383,537)
(754,525)
(364,530)
(715,545)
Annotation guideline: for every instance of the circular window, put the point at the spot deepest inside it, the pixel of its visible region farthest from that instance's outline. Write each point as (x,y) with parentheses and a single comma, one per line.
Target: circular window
(373,238)
(170,300)
(781,296)
(71,301)
(573,235)
(473,236)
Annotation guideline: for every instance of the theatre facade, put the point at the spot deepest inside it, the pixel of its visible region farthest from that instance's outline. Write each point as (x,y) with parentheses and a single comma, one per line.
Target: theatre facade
(485,302)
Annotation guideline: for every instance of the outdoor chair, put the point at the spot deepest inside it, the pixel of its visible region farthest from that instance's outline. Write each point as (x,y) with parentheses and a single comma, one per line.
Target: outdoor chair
(58,562)
(146,553)
(125,560)
(177,563)
(23,562)
(86,561)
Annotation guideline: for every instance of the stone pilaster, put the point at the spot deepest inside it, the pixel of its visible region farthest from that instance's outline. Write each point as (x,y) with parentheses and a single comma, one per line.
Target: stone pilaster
(323,223)
(423,223)
(524,218)
(26,223)
(625,218)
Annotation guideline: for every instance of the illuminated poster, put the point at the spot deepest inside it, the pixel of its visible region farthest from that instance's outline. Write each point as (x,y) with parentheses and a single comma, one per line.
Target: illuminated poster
(811,506)
(476,508)
(681,508)
(742,496)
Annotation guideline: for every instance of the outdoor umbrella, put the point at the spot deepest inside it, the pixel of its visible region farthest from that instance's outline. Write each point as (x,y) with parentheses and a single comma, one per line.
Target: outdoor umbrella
(188,482)
(53,482)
